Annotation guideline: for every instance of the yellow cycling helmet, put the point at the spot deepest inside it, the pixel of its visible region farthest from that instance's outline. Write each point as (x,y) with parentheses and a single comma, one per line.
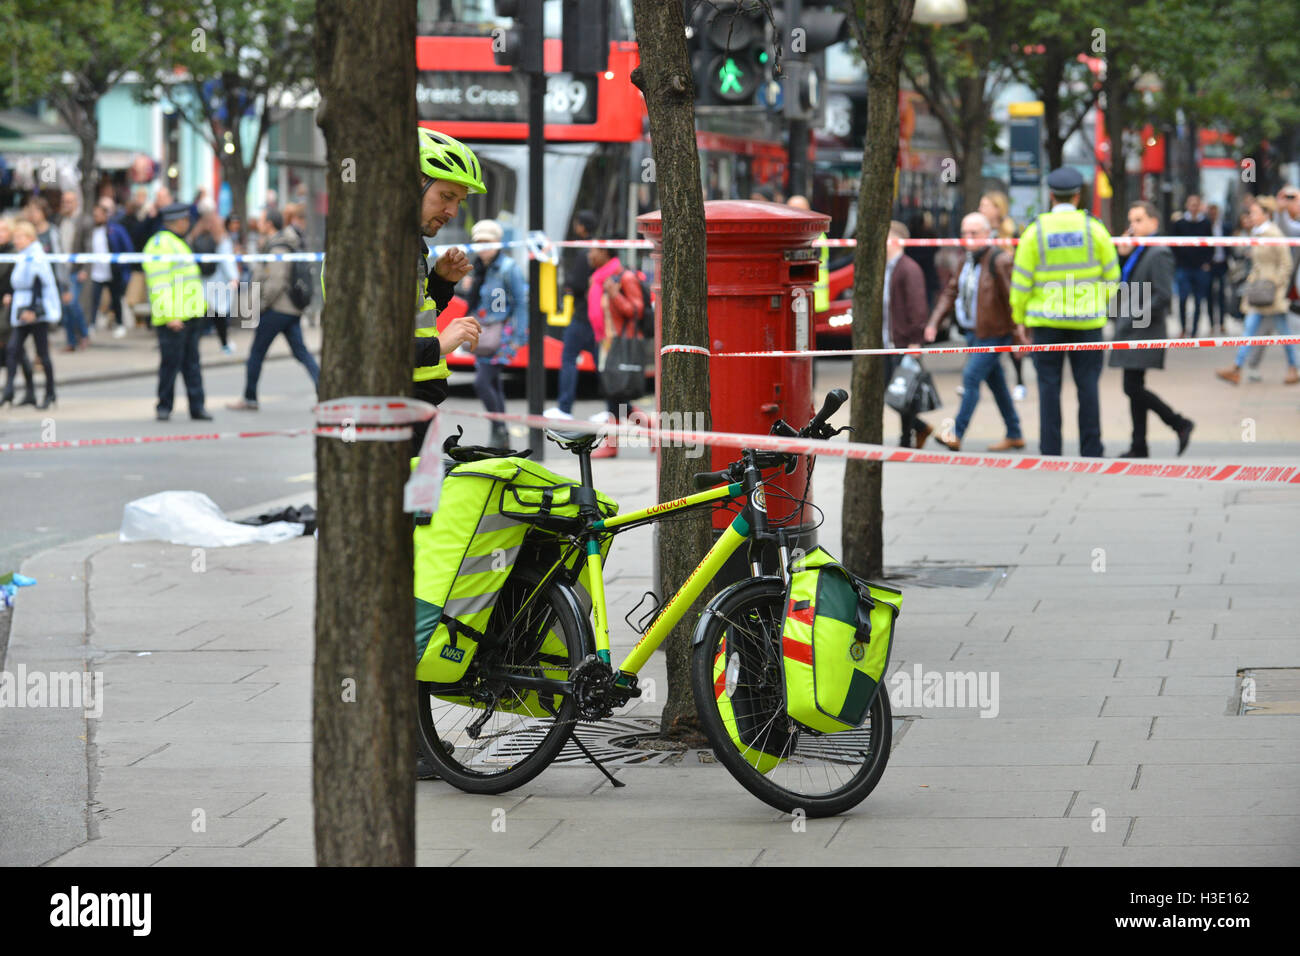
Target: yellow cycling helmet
(442,157)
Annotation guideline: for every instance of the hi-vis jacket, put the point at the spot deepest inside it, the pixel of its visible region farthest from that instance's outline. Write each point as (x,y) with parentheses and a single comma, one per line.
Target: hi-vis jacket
(433,294)
(175,288)
(1064,273)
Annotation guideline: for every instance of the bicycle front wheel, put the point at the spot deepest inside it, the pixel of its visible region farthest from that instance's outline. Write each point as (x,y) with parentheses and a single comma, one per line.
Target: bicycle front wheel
(738,678)
(488,734)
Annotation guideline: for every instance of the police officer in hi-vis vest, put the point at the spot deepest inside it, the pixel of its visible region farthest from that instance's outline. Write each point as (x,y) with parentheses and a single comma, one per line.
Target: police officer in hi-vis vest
(177,307)
(1061,284)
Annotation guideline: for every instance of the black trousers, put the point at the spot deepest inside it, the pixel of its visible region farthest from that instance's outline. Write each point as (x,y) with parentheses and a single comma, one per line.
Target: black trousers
(1140,401)
(180,353)
(16,352)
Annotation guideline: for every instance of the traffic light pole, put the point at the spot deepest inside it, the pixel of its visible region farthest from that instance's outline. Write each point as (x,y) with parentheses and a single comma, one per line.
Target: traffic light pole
(536,215)
(797,129)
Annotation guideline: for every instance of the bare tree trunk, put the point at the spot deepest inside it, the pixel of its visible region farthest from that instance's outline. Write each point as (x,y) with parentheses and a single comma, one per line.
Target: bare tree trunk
(880,27)
(236,176)
(80,115)
(363,720)
(1117,118)
(974,122)
(664,77)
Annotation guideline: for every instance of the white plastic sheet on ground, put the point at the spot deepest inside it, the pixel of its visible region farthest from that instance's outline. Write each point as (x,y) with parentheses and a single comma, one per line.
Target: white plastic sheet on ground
(191,517)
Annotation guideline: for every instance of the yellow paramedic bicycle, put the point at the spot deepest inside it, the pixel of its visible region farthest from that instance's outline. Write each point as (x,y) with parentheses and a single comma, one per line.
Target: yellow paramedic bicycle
(546,664)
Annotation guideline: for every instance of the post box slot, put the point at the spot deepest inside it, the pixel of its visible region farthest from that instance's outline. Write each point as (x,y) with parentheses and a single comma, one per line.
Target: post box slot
(803,271)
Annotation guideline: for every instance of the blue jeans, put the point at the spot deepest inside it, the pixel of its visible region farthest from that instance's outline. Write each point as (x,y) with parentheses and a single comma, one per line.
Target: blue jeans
(578,337)
(1086,368)
(1196,283)
(74,319)
(1253,321)
(269,325)
(986,368)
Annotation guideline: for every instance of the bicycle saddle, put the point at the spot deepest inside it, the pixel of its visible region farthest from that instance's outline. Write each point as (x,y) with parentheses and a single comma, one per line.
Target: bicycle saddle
(575,441)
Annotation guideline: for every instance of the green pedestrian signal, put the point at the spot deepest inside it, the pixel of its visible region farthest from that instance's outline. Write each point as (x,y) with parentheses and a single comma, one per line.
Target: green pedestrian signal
(730,77)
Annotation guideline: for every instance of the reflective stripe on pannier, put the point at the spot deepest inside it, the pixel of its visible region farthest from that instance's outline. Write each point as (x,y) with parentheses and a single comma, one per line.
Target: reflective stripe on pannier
(465,553)
(835,642)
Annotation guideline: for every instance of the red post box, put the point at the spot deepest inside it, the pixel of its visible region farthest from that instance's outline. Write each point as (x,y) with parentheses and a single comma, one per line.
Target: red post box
(761,272)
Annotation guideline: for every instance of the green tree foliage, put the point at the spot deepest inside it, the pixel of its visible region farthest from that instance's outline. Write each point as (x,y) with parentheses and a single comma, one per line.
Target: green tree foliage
(72,52)
(250,58)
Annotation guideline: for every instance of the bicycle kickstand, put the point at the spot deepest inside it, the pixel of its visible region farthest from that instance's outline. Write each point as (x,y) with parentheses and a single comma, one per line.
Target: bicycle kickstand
(599,766)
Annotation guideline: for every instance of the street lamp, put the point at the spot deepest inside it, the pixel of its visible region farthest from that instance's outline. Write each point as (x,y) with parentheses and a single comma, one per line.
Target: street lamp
(939,11)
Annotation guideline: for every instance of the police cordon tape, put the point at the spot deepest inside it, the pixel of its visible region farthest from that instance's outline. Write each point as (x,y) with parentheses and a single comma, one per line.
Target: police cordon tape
(389,419)
(1271,473)
(540,247)
(1114,346)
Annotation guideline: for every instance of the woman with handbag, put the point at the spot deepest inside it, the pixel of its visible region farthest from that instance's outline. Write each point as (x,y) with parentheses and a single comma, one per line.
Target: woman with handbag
(1265,291)
(498,298)
(34,308)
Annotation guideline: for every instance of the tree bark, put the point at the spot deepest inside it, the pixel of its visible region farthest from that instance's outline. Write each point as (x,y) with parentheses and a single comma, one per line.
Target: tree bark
(363,713)
(974,121)
(1117,89)
(880,27)
(664,78)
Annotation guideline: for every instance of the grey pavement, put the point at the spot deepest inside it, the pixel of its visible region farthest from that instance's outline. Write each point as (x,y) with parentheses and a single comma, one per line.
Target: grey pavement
(1116,618)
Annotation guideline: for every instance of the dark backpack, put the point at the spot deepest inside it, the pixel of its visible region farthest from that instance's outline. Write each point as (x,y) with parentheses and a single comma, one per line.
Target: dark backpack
(201,246)
(302,280)
(647,321)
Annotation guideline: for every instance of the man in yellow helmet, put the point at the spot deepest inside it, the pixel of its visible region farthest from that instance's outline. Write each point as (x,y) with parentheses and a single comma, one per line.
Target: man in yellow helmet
(1061,283)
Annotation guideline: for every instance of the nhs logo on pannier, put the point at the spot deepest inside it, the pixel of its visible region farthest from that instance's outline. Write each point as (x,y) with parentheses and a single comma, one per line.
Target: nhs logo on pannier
(455,654)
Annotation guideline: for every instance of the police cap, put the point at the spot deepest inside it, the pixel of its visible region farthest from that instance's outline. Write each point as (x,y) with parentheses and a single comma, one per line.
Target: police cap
(1065,180)
(174,211)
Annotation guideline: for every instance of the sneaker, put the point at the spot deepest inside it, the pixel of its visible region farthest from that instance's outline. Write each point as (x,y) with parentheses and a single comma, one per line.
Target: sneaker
(1018,393)
(119,331)
(243,405)
(960,390)
(163,416)
(227,349)
(1253,375)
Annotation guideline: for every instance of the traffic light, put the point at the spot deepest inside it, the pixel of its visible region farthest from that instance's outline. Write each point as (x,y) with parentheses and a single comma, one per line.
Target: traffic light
(807,40)
(520,45)
(730,52)
(586,36)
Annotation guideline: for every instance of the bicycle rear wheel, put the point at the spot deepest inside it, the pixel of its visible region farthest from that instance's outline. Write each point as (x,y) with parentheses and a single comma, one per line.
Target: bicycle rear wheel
(738,679)
(524,730)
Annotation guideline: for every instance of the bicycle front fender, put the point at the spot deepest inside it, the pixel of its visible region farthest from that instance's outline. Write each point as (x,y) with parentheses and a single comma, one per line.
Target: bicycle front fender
(710,610)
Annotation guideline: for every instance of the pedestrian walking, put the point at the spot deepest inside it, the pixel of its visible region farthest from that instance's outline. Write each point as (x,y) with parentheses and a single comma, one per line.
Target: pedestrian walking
(904,315)
(1142,310)
(177,307)
(613,301)
(6,299)
(221,282)
(1218,271)
(108,235)
(979,298)
(498,299)
(996,208)
(74,234)
(1266,286)
(281,232)
(578,334)
(1192,264)
(34,308)
(1062,278)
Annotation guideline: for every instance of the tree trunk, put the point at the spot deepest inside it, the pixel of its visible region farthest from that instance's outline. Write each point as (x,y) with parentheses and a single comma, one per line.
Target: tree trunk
(665,80)
(974,122)
(80,115)
(1117,114)
(363,713)
(880,27)
(1050,95)
(236,175)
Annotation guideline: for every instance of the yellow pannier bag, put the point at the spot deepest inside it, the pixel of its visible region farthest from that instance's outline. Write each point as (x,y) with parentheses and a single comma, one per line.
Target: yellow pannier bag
(835,642)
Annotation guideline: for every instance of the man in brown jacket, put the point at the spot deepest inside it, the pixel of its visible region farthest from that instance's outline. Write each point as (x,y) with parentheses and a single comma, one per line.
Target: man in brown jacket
(281,233)
(979,296)
(904,311)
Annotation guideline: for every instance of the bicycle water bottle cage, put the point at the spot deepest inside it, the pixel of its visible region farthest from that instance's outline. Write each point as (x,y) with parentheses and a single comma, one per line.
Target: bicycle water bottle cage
(646,619)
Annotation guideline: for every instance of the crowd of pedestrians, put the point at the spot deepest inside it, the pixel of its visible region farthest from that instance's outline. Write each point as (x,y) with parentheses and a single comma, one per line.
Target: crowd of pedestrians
(1065,280)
